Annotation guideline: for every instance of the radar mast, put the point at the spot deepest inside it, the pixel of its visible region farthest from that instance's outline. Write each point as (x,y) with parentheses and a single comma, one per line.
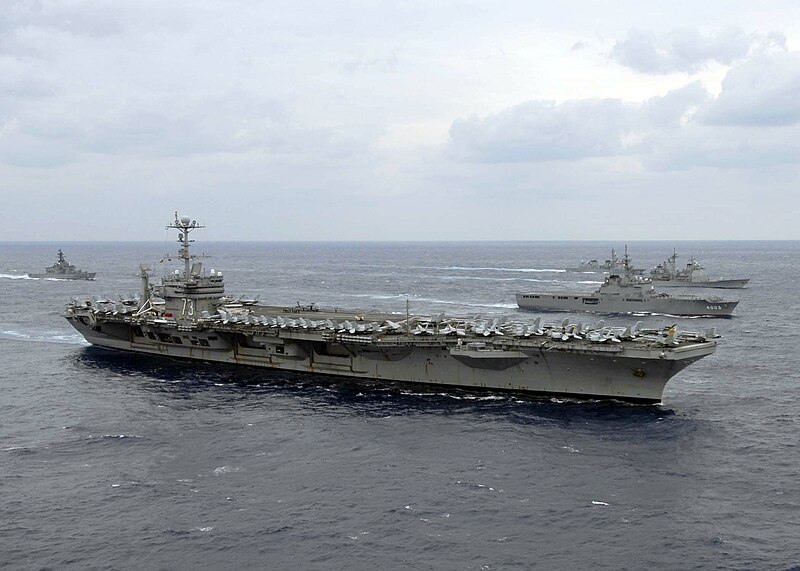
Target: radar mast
(184,225)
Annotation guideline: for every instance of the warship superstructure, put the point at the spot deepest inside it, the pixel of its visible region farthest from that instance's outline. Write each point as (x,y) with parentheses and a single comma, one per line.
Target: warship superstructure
(63,270)
(667,274)
(624,292)
(612,265)
(189,316)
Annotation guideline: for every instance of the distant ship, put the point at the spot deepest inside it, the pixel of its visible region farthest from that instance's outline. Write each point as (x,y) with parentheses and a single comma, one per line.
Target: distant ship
(63,270)
(624,292)
(612,265)
(667,274)
(189,316)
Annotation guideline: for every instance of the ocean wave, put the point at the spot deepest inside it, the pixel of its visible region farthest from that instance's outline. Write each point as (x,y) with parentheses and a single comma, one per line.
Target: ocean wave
(483,278)
(68,339)
(17,277)
(468,304)
(490,269)
(225,469)
(454,396)
(416,298)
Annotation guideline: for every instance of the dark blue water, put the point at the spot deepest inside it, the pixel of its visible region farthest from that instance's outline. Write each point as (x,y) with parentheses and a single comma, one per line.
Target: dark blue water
(116,461)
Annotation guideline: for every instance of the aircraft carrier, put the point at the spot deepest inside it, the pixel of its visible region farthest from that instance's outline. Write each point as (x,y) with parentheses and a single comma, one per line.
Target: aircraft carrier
(189,316)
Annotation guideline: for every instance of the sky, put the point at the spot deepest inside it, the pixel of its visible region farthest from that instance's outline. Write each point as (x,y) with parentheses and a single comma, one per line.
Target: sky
(403,120)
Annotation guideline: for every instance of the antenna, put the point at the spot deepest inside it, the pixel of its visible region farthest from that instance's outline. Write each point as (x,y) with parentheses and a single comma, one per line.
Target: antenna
(408,321)
(184,225)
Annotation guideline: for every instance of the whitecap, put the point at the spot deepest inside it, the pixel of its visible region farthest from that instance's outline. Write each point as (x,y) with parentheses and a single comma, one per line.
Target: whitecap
(597,503)
(491,269)
(225,469)
(69,339)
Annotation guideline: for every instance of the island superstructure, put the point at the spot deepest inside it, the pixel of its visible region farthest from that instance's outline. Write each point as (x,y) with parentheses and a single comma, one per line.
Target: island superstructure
(190,316)
(612,265)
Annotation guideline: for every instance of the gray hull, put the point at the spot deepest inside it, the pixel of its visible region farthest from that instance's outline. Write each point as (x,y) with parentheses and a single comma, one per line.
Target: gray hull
(189,317)
(717,284)
(581,302)
(68,276)
(668,274)
(63,270)
(539,366)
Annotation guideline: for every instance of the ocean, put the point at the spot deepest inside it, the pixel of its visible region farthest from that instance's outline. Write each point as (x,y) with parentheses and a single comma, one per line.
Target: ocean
(115,461)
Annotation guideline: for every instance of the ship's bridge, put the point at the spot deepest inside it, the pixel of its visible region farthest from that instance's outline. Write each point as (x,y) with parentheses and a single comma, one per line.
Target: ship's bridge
(200,288)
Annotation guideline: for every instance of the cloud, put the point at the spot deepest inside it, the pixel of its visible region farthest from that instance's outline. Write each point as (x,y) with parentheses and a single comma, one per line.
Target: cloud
(539,131)
(753,123)
(544,131)
(688,50)
(762,91)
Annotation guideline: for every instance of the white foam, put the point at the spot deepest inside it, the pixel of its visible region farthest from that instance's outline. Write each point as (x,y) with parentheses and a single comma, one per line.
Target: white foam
(225,469)
(432,300)
(596,503)
(17,277)
(70,339)
(492,269)
(465,304)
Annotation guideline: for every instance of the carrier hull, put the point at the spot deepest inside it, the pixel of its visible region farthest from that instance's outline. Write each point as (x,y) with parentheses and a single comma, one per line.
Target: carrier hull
(539,366)
(189,316)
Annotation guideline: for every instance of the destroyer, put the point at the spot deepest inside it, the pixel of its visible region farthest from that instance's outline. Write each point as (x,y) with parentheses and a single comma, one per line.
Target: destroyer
(63,270)
(667,274)
(189,316)
(624,292)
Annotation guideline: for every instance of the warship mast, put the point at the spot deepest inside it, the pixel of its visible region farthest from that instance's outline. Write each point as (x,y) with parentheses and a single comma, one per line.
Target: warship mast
(184,225)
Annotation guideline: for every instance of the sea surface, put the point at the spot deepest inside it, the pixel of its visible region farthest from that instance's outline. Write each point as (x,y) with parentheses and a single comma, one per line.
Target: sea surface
(113,461)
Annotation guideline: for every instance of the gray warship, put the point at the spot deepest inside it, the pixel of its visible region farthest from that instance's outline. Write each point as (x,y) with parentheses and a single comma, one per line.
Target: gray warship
(610,266)
(189,316)
(667,274)
(63,270)
(624,292)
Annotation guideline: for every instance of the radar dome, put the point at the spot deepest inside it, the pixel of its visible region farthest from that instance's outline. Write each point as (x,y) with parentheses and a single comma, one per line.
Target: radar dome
(185,220)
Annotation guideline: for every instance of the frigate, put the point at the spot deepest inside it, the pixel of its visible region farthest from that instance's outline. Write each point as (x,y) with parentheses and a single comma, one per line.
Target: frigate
(667,274)
(624,292)
(190,316)
(63,270)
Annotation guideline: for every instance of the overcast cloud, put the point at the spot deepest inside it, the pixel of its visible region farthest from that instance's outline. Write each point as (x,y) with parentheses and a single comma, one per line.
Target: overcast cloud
(386,120)
(689,49)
